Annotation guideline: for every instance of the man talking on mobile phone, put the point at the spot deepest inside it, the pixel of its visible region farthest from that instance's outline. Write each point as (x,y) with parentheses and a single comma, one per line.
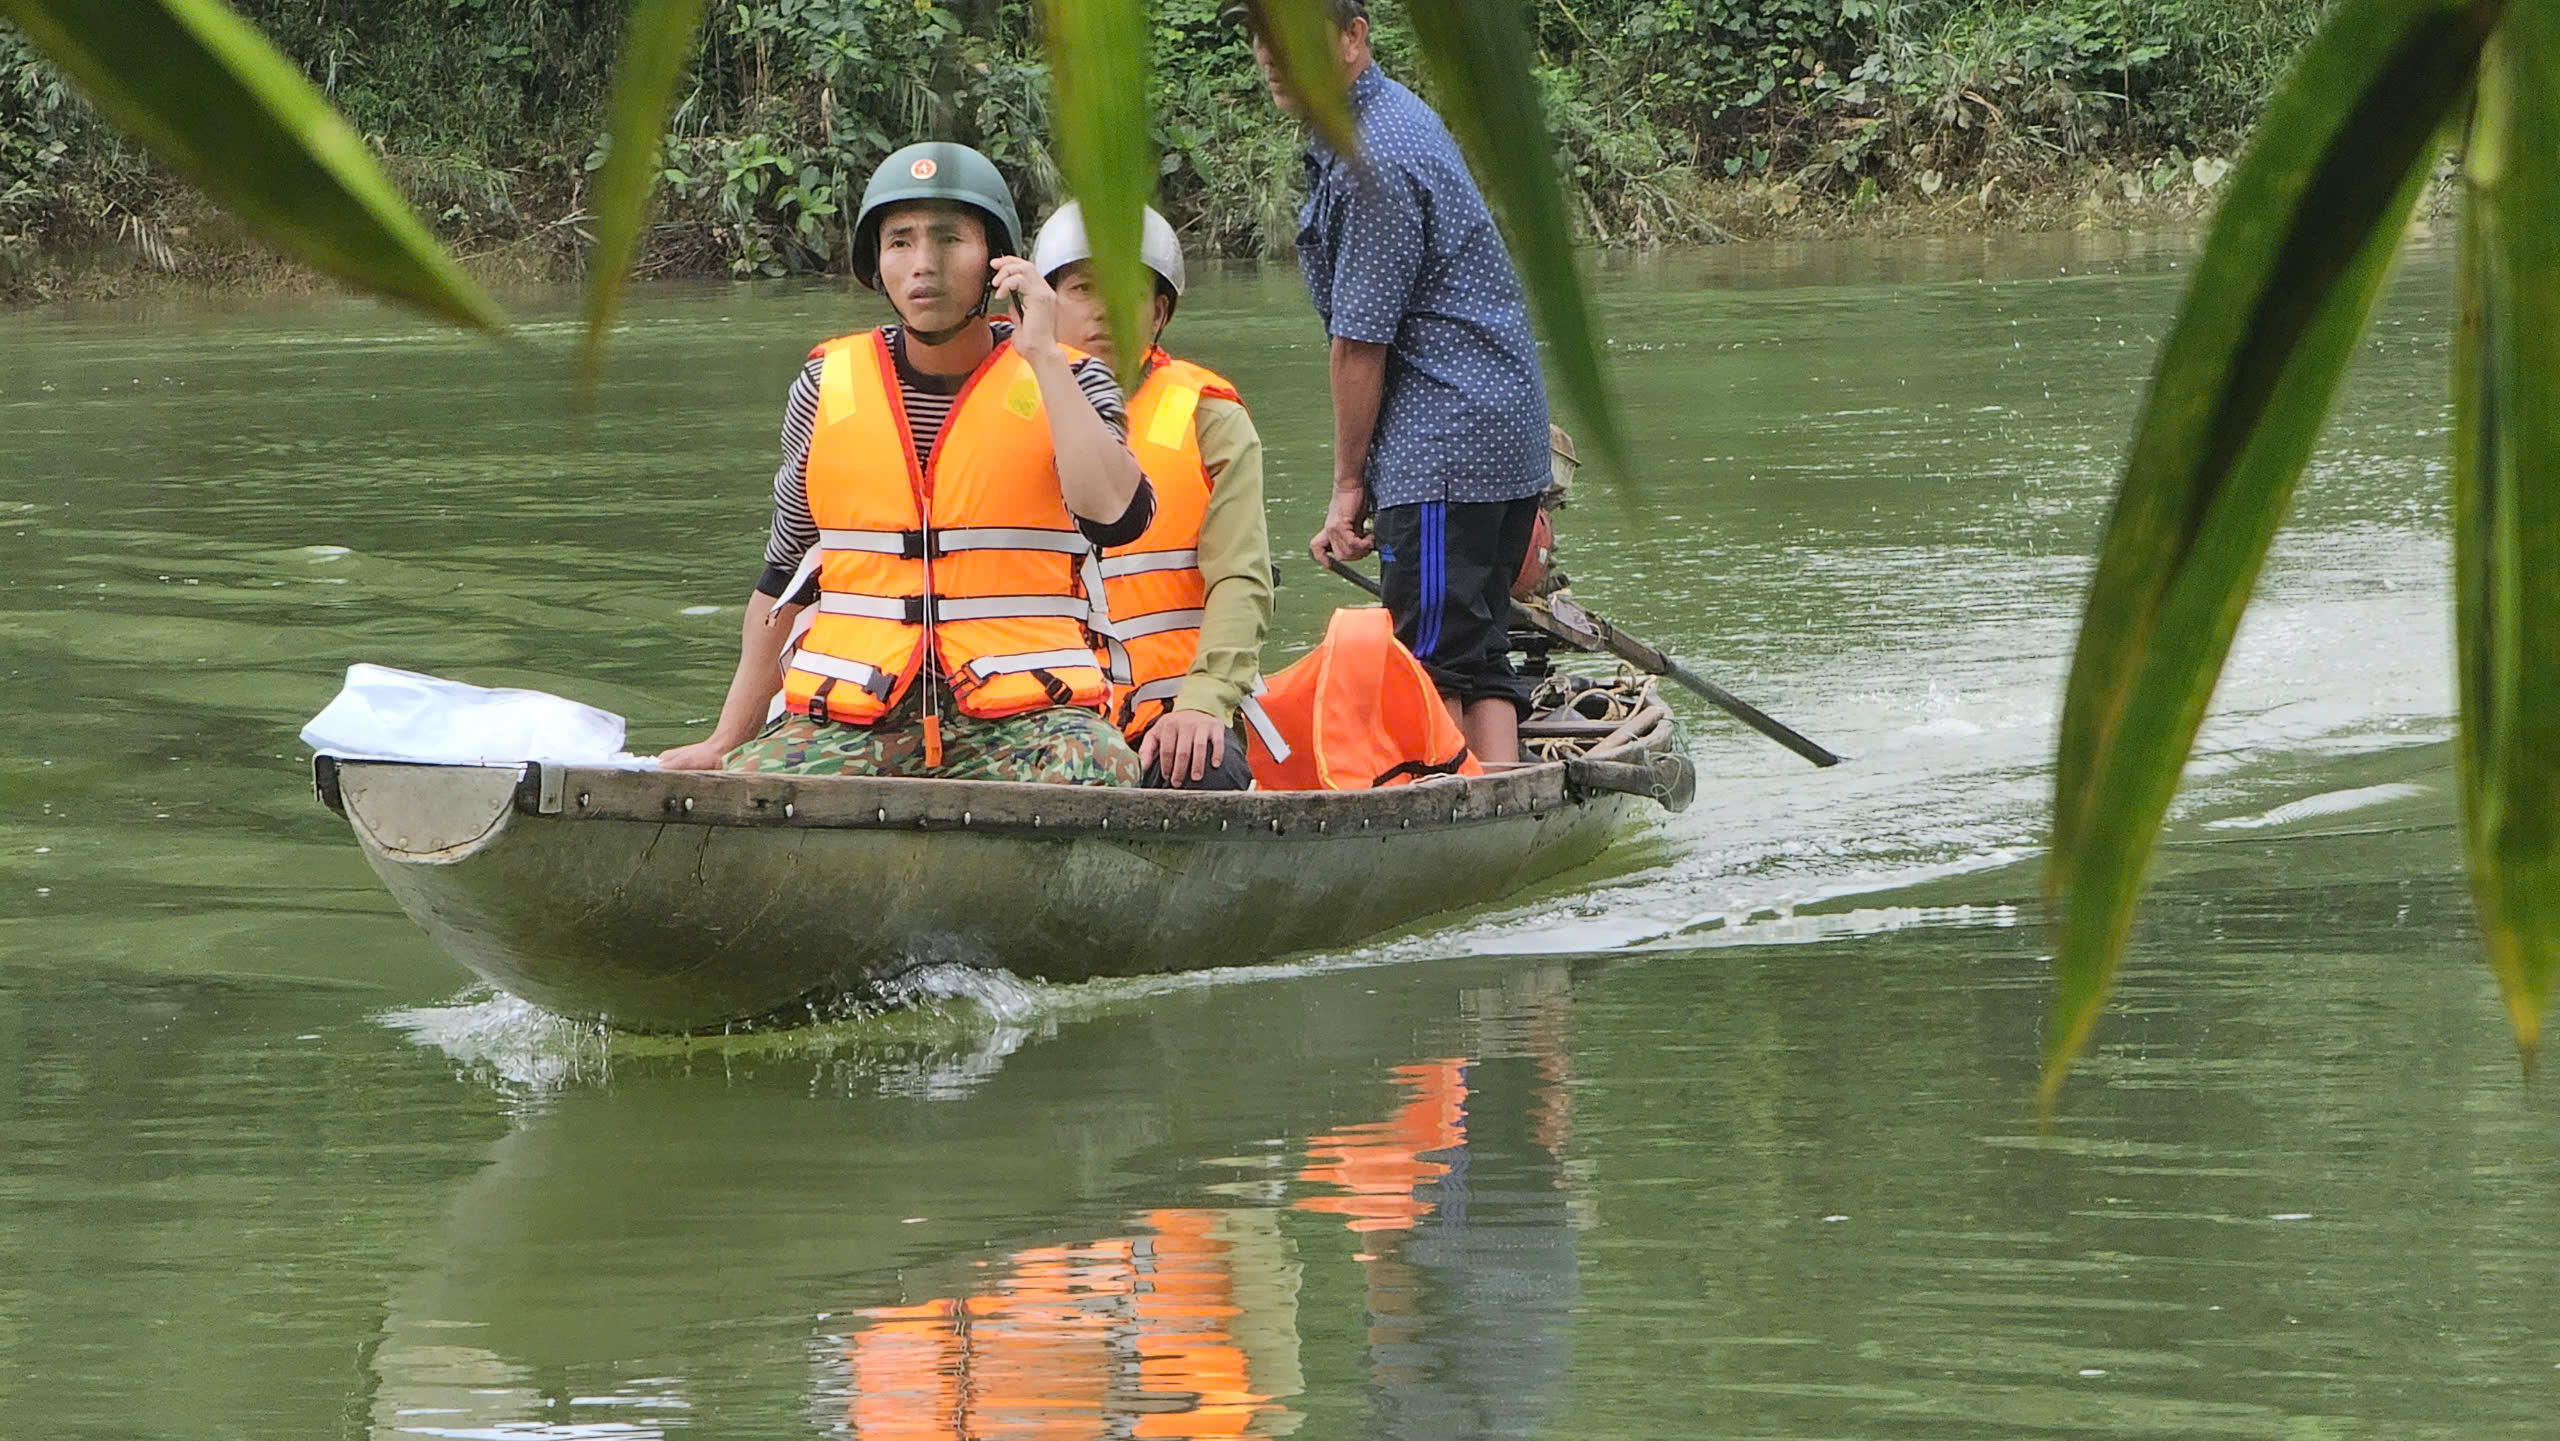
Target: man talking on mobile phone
(943,479)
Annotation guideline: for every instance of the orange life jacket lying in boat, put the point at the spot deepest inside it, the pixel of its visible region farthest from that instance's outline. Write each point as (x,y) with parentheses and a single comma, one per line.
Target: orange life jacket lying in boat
(1357,712)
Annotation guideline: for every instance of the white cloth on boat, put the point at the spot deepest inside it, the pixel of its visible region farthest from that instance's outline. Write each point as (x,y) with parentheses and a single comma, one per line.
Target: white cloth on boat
(387,714)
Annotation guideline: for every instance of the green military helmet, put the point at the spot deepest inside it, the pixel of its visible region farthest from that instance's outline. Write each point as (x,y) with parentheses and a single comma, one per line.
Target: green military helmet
(934,170)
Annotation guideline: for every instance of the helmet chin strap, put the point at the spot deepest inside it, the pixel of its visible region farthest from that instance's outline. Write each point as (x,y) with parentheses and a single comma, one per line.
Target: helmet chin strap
(943,336)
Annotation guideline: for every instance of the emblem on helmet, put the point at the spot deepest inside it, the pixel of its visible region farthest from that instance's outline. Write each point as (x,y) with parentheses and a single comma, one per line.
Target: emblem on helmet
(924,168)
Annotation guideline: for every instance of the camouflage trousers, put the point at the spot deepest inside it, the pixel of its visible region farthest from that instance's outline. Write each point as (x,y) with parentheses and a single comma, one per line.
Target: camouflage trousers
(1059,746)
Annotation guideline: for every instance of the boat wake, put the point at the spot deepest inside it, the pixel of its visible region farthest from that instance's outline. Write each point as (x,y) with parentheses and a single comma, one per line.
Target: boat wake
(936,1032)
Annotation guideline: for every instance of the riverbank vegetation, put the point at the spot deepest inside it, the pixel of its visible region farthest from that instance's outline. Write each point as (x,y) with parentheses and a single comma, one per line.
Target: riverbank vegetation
(1677,121)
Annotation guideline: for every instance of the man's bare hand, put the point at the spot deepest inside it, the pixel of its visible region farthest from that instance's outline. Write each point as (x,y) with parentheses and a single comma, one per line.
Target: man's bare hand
(699,756)
(1345,536)
(1035,305)
(1183,746)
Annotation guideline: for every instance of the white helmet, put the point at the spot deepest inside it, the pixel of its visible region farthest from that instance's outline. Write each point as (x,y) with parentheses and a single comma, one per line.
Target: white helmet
(1062,243)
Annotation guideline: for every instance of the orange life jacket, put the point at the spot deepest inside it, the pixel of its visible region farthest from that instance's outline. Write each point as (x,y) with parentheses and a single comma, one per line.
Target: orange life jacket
(1149,593)
(973,560)
(1149,596)
(1357,712)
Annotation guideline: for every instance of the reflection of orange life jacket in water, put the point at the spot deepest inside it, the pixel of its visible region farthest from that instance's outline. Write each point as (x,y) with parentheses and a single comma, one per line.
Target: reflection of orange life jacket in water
(1073,1342)
(971,563)
(1378,1166)
(1357,711)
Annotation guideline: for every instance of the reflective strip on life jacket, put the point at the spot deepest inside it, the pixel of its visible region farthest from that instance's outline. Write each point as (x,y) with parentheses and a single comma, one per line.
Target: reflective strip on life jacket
(1157,624)
(908,543)
(911,544)
(1006,537)
(1265,729)
(986,666)
(1008,607)
(1115,566)
(911,608)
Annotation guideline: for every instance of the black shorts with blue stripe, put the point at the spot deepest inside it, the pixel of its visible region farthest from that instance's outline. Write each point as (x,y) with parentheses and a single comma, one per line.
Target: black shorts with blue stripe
(1447,568)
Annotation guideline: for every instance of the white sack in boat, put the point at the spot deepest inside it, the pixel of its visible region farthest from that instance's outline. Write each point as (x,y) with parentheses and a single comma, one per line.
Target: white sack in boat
(386,714)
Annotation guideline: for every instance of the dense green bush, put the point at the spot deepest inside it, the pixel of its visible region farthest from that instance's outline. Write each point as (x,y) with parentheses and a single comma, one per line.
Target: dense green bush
(487,110)
(1839,93)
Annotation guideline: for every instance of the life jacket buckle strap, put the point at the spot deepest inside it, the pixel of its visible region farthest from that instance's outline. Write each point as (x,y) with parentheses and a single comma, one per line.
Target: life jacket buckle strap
(987,667)
(837,668)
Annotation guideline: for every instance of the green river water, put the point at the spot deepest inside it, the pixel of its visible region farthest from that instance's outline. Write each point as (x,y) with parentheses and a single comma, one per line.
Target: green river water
(1728,1136)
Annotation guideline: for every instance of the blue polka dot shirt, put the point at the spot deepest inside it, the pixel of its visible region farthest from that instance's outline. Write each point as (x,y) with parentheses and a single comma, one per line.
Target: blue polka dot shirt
(1405,255)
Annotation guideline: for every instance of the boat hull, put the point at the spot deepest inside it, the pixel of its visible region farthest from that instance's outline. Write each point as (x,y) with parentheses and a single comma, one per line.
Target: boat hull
(688,902)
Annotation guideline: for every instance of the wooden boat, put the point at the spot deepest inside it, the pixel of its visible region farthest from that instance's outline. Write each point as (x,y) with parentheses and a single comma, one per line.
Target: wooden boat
(693,901)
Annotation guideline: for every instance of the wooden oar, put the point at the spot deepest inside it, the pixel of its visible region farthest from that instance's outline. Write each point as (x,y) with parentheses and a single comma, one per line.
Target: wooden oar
(1566,620)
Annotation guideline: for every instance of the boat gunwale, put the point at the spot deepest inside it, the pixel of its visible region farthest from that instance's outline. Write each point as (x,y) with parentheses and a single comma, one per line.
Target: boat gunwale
(750,799)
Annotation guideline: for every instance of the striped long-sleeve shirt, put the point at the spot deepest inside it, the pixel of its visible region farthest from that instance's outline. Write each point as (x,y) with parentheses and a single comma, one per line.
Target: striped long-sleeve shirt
(928,400)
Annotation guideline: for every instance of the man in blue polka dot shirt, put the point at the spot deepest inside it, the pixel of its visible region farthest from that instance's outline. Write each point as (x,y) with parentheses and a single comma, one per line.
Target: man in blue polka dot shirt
(1439,411)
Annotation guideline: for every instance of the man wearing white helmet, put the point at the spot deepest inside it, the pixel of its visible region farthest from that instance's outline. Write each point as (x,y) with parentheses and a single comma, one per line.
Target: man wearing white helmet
(1183,607)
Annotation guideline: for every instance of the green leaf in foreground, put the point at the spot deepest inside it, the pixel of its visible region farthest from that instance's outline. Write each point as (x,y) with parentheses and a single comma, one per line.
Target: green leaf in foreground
(1098,68)
(2287,281)
(215,102)
(1482,57)
(1301,38)
(656,43)
(2507,513)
